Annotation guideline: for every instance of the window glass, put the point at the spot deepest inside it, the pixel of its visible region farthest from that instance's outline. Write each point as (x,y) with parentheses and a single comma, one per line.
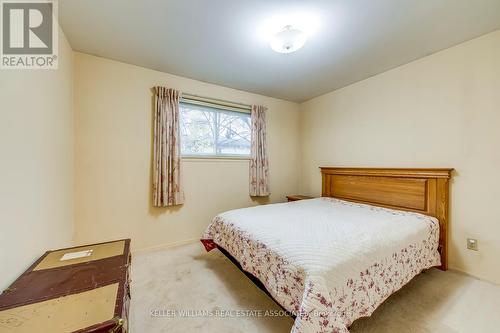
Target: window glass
(212,132)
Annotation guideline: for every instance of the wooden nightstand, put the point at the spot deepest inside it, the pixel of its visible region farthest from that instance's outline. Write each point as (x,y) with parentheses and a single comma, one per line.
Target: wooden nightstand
(297,197)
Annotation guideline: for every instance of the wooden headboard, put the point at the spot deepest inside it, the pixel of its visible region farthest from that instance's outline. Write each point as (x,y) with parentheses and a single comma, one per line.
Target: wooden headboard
(424,191)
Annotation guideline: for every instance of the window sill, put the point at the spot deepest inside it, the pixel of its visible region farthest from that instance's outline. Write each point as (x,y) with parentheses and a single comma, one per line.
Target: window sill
(215,158)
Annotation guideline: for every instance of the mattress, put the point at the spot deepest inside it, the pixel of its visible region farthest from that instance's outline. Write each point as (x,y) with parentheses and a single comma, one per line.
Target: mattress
(327,261)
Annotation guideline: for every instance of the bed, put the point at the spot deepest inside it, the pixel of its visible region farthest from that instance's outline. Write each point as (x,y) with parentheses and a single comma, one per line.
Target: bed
(331,260)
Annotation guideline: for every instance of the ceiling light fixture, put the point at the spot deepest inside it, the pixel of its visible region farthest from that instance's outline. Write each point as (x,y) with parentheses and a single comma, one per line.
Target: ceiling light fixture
(288,40)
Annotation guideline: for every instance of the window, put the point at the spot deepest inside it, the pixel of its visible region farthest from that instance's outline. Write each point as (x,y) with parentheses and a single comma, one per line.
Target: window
(208,131)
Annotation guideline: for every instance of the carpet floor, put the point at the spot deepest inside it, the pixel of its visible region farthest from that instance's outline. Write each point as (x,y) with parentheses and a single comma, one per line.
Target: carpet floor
(185,289)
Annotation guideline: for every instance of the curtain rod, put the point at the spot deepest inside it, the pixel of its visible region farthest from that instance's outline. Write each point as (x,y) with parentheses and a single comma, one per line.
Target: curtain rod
(218,102)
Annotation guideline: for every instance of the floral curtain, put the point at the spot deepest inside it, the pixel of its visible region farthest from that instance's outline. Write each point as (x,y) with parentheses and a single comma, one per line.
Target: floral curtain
(167,189)
(259,163)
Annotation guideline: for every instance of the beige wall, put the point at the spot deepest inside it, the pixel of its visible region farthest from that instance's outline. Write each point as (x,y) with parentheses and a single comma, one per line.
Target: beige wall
(36,149)
(113,105)
(439,111)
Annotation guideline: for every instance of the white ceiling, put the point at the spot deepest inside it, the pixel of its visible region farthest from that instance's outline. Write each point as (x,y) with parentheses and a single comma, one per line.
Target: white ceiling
(218,41)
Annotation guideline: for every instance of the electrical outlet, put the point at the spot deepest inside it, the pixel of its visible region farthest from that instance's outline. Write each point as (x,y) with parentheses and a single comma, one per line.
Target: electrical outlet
(472,244)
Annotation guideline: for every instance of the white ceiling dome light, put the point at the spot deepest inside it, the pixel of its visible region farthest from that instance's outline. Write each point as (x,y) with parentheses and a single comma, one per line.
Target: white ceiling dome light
(288,40)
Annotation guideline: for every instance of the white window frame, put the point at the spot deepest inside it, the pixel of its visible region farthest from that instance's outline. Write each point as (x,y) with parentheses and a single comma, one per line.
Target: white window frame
(217,105)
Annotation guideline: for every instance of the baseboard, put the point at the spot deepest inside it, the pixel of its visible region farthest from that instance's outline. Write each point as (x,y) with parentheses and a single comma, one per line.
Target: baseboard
(165,246)
(456,270)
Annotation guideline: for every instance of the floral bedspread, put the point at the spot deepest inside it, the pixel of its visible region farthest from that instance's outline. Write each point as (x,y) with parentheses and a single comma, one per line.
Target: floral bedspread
(327,261)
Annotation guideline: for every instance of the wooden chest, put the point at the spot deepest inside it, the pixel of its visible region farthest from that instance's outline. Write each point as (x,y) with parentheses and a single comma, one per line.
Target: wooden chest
(80,289)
